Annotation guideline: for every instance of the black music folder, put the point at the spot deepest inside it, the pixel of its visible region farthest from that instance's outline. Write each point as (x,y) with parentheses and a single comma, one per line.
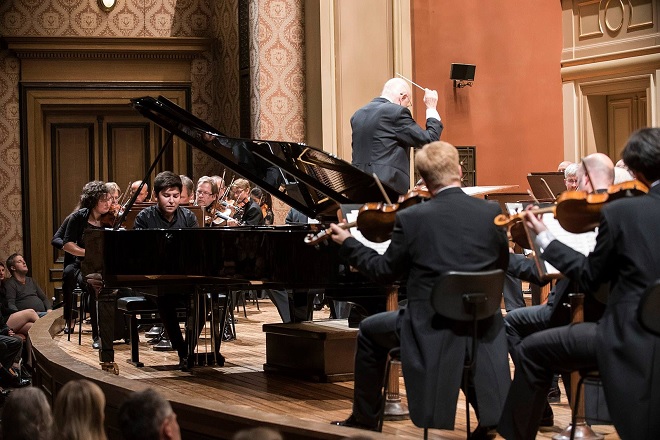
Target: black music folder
(546,185)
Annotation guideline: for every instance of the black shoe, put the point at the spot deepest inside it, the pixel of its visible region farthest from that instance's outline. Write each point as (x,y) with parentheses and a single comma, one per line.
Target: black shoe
(96,345)
(185,363)
(554,395)
(11,380)
(483,432)
(220,359)
(154,331)
(351,422)
(164,345)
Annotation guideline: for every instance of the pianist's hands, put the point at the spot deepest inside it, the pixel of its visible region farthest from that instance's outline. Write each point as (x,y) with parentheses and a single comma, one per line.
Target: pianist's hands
(339,233)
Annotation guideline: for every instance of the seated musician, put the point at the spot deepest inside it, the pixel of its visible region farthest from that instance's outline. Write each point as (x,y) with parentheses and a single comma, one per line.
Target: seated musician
(187,190)
(570,177)
(627,254)
(207,195)
(94,203)
(144,192)
(220,183)
(167,214)
(248,212)
(523,322)
(424,246)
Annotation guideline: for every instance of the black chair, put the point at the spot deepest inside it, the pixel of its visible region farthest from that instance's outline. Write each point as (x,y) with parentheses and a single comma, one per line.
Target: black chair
(468,297)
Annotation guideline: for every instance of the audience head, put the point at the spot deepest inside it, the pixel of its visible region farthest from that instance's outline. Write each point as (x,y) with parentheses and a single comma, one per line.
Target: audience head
(438,165)
(145,415)
(93,194)
(31,417)
(398,91)
(187,190)
(596,172)
(260,433)
(16,263)
(79,411)
(563,165)
(144,192)
(642,155)
(570,177)
(207,191)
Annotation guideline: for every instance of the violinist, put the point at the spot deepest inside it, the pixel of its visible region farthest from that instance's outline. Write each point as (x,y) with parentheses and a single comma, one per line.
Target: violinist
(521,323)
(207,195)
(94,203)
(627,255)
(264,201)
(247,212)
(570,177)
(424,245)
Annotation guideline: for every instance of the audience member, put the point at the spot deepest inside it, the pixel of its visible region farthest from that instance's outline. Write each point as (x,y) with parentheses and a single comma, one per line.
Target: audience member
(27,416)
(80,411)
(21,291)
(259,433)
(145,415)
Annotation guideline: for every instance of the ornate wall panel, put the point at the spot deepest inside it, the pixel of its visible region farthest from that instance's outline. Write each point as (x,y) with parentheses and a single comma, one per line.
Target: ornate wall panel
(131,18)
(11,233)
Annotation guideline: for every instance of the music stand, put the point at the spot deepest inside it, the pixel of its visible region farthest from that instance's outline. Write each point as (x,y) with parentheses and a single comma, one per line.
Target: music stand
(546,185)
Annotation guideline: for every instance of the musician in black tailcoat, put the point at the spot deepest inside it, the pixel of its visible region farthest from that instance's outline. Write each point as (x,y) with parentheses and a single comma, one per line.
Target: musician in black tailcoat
(167,214)
(452,231)
(627,254)
(384,130)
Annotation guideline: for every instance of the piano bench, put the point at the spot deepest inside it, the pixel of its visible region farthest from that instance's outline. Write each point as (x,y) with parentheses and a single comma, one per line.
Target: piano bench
(132,306)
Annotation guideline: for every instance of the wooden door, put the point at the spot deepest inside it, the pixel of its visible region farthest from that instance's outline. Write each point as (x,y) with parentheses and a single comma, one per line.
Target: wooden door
(626,113)
(94,144)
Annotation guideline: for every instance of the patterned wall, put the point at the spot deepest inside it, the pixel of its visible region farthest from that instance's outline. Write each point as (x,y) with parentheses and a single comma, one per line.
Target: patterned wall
(278,74)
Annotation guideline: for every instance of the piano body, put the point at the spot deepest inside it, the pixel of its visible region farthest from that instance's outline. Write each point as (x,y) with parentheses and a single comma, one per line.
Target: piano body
(310,180)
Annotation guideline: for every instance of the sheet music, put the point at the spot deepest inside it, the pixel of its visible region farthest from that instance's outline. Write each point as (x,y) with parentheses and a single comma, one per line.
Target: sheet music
(378,247)
(583,243)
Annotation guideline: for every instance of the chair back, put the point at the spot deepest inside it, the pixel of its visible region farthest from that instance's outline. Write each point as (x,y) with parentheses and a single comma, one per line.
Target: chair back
(468,296)
(649,308)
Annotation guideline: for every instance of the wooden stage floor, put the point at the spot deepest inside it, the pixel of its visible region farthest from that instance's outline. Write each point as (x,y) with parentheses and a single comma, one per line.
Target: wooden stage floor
(242,383)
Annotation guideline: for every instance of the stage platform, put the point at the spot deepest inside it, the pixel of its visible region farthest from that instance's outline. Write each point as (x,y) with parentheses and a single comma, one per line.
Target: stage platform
(215,402)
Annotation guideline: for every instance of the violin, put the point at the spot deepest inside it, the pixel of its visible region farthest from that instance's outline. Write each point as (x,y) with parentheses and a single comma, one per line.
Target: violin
(576,211)
(375,220)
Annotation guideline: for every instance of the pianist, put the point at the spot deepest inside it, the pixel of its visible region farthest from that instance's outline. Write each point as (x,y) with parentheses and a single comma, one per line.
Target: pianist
(167,214)
(452,231)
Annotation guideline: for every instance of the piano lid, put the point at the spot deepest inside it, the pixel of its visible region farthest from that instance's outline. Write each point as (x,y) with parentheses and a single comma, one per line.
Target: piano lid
(306,178)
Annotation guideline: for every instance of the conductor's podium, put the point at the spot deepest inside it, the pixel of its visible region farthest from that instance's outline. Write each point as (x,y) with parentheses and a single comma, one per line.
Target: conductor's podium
(321,351)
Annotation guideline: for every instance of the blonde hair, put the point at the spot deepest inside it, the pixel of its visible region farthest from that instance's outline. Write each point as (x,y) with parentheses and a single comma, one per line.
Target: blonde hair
(242,184)
(79,411)
(438,164)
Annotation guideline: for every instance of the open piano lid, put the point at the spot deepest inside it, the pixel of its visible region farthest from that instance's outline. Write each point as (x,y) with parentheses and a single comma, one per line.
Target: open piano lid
(311,180)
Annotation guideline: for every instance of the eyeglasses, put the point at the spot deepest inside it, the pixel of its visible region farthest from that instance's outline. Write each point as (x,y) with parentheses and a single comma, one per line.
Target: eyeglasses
(570,180)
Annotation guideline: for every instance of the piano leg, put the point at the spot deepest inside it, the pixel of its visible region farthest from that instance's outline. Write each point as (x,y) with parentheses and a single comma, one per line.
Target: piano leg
(106,303)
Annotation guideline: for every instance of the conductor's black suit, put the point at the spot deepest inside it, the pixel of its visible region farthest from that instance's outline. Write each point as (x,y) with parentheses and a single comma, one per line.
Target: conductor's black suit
(383,133)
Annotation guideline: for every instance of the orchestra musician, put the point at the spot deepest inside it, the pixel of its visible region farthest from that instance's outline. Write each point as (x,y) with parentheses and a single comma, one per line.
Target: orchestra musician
(423,246)
(627,254)
(167,214)
(523,322)
(187,190)
(207,195)
(247,211)
(144,192)
(384,130)
(570,177)
(94,202)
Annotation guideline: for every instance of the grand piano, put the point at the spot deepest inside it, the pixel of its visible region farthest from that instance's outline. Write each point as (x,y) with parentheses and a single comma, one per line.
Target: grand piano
(310,180)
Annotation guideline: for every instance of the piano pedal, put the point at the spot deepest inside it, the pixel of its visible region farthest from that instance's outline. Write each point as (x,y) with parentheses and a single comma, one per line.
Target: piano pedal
(111,367)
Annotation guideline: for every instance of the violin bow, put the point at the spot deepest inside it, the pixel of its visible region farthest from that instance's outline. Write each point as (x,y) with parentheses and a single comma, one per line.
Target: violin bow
(382,190)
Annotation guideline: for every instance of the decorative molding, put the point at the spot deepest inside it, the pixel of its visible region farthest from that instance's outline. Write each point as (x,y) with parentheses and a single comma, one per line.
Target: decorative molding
(641,25)
(108,48)
(583,10)
(618,27)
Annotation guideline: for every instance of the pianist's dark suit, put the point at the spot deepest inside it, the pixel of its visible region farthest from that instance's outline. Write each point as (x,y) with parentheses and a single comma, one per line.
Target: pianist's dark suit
(452,231)
(627,254)
(383,133)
